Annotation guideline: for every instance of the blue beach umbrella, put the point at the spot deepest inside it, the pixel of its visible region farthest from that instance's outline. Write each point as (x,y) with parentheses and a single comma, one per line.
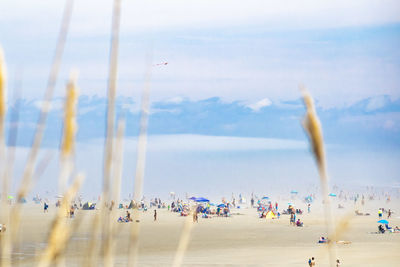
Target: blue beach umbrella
(201,199)
(383,221)
(293,192)
(332,195)
(221,206)
(265,198)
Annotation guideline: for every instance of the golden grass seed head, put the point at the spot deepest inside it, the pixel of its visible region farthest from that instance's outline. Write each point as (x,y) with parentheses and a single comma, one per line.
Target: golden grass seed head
(3,79)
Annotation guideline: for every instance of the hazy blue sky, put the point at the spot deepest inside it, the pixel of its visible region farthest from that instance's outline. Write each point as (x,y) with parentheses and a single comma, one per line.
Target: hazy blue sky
(226,110)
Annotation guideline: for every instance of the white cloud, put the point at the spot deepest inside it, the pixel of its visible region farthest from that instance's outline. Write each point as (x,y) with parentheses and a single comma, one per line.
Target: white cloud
(389,124)
(55,105)
(376,103)
(260,104)
(175,100)
(388,121)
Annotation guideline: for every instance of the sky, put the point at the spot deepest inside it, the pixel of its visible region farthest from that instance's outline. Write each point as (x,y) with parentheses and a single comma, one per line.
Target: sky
(226,111)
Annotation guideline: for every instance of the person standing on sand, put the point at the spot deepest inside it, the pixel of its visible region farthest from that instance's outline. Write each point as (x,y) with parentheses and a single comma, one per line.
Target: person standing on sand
(337,263)
(45,207)
(312,261)
(389,213)
(195,217)
(155,215)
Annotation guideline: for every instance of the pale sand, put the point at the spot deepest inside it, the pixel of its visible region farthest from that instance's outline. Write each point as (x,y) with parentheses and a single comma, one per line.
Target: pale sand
(242,240)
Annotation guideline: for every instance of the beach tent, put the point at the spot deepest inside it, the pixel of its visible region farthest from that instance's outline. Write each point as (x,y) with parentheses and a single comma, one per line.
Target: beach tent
(270,215)
(130,205)
(88,206)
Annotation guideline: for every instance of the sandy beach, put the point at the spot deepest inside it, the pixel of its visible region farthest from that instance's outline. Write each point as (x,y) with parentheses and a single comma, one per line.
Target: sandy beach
(240,240)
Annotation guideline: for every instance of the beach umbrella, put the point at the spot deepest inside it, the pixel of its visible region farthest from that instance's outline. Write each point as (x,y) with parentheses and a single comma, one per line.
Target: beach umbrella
(201,199)
(332,195)
(10,197)
(383,221)
(294,192)
(265,198)
(221,206)
(192,198)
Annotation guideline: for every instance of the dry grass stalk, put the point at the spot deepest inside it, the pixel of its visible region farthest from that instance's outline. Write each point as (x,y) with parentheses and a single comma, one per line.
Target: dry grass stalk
(109,143)
(60,231)
(69,131)
(91,259)
(51,82)
(3,92)
(112,88)
(7,244)
(342,226)
(117,175)
(23,191)
(140,166)
(3,109)
(313,128)
(183,241)
(5,238)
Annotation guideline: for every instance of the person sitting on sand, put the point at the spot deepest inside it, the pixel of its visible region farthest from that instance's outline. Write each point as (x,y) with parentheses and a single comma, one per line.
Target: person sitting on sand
(2,228)
(388,228)
(298,223)
(322,240)
(381,229)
